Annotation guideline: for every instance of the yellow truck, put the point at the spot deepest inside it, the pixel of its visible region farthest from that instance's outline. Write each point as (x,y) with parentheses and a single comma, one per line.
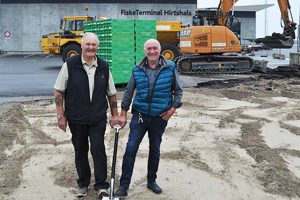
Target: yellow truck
(169,38)
(67,42)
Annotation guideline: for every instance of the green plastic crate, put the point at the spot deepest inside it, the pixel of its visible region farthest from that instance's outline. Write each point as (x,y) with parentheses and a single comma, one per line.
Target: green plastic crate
(121,76)
(144,25)
(149,34)
(139,59)
(119,25)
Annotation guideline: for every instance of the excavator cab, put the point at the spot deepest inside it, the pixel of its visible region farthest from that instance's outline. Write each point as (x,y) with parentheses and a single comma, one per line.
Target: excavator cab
(207,17)
(211,16)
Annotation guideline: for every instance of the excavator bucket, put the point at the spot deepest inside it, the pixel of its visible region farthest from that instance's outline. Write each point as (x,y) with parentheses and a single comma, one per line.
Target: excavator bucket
(277,40)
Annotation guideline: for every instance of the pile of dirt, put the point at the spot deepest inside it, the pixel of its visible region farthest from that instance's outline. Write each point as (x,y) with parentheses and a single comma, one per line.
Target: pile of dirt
(229,140)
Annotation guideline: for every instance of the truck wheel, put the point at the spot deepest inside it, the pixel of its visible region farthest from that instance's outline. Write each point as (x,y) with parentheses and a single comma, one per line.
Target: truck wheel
(70,50)
(170,51)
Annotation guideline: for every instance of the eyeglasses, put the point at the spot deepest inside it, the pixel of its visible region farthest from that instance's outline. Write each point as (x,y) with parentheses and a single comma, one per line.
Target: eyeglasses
(152,48)
(91,44)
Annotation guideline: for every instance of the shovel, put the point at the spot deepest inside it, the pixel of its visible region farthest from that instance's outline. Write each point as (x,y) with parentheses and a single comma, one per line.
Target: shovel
(277,40)
(113,168)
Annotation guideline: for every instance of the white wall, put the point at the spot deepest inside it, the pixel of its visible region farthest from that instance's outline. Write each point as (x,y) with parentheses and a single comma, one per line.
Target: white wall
(28,22)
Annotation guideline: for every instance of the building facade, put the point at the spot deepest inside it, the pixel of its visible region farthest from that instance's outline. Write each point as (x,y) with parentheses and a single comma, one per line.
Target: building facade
(23,22)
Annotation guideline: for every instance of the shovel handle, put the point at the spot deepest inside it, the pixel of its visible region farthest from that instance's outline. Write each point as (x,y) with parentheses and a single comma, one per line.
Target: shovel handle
(117,128)
(113,168)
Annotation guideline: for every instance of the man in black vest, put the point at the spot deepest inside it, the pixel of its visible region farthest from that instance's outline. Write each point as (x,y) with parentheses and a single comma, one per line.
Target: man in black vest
(80,91)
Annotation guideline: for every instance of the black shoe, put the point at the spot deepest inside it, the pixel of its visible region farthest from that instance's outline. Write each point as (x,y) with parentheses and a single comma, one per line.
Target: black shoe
(154,187)
(81,192)
(121,192)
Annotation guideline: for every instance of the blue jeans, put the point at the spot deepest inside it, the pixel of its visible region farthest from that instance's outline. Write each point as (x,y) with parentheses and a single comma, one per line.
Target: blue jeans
(155,127)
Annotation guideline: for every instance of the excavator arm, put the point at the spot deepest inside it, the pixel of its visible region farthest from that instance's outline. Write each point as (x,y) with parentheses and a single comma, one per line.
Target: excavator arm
(285,39)
(289,25)
(225,6)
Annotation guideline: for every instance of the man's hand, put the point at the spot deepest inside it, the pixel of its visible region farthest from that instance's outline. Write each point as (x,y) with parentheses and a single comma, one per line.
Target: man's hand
(122,121)
(168,114)
(62,123)
(123,118)
(114,120)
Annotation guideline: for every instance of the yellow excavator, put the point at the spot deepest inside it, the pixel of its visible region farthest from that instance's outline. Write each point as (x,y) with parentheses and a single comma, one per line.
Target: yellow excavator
(209,45)
(285,39)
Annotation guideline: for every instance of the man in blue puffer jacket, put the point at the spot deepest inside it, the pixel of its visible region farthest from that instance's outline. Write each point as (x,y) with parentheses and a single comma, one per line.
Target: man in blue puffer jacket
(158,95)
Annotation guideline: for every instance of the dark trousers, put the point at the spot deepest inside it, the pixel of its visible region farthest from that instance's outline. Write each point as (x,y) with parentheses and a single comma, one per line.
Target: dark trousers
(155,127)
(81,134)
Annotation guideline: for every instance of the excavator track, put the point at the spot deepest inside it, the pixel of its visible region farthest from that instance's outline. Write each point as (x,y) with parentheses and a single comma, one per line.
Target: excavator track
(214,64)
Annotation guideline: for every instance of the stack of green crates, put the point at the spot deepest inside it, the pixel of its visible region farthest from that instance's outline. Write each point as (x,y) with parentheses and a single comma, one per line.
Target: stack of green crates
(122,43)
(144,30)
(117,47)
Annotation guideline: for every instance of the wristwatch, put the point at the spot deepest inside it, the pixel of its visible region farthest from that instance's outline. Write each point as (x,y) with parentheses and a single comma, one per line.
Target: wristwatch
(60,117)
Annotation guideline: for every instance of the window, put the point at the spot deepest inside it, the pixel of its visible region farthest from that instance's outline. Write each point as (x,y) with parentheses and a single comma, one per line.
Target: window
(79,25)
(70,25)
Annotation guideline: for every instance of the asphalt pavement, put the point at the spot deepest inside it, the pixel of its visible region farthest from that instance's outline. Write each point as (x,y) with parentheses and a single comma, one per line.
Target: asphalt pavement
(27,75)
(33,76)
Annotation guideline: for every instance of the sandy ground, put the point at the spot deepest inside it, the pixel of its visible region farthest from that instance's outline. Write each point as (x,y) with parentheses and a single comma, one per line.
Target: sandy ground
(229,141)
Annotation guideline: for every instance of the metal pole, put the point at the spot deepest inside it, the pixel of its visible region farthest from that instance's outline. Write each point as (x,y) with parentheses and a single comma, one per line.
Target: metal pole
(266,23)
(265,18)
(298,39)
(233,7)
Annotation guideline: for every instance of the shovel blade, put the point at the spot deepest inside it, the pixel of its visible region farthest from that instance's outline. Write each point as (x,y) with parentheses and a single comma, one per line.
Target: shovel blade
(277,40)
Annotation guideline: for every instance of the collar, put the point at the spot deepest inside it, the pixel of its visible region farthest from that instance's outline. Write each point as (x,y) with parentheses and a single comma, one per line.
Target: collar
(95,63)
(162,62)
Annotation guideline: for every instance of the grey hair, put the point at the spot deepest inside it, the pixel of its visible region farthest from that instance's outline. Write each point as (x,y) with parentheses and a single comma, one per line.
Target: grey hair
(87,34)
(151,40)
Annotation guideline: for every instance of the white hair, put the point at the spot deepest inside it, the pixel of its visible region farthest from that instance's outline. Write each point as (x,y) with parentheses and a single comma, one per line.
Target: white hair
(151,40)
(88,34)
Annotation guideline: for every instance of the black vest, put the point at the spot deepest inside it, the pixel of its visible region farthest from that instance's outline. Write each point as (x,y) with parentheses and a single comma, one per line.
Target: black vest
(78,107)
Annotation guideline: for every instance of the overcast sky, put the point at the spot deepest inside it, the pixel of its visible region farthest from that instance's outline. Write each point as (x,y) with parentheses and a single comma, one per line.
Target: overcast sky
(272,13)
